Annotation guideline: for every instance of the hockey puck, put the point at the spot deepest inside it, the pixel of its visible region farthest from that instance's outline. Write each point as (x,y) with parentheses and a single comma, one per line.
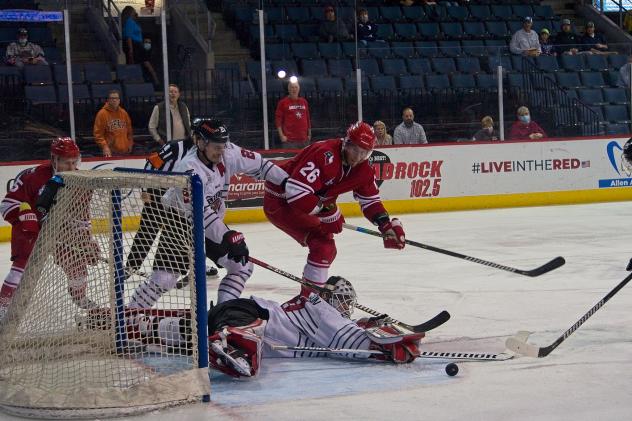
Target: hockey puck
(451,369)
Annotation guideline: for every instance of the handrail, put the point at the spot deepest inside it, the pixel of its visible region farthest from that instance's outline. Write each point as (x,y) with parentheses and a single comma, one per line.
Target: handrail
(191,11)
(112,18)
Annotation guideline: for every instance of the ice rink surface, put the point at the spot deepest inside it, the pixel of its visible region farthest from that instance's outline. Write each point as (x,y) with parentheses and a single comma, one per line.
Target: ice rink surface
(588,377)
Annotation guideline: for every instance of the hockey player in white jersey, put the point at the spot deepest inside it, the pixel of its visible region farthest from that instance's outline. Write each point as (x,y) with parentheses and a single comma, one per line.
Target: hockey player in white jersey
(214,159)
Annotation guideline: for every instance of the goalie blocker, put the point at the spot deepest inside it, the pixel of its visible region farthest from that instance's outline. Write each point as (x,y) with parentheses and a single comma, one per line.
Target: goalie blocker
(243,331)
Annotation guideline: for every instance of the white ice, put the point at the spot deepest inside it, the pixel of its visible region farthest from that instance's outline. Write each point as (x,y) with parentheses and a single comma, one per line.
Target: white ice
(588,377)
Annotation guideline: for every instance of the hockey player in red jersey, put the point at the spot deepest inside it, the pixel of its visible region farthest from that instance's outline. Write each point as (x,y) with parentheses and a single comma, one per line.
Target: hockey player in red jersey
(305,207)
(19,209)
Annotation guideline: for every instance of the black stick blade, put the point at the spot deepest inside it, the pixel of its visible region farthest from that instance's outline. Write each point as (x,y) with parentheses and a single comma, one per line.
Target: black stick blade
(545,268)
(433,323)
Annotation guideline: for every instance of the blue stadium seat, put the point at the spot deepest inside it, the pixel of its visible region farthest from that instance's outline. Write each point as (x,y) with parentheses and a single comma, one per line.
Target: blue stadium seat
(53,55)
(406,31)
(437,13)
(348,49)
(475,30)
(460,81)
(497,29)
(522,10)
(426,48)
(443,65)
(287,32)
(458,13)
(253,34)
(587,115)
(100,92)
(383,83)
(38,75)
(318,13)
(468,65)
(452,30)
(617,60)
(330,49)
(569,80)
(329,86)
(308,84)
(414,14)
(394,66)
(144,91)
(616,113)
(385,32)
(429,30)
(377,49)
(514,26)
(42,36)
(502,11)
(486,81)
(351,84)
(308,31)
(450,48)
(347,14)
(480,11)
(543,11)
(591,96)
(369,67)
(538,25)
(615,96)
(129,73)
(275,87)
(40,94)
(613,78)
(341,67)
(574,63)
(474,47)
(374,13)
(593,79)
(298,15)
(411,82)
(241,89)
(547,63)
(289,66)
(97,73)
(516,80)
(278,51)
(596,62)
(437,82)
(518,62)
(496,46)
(495,61)
(274,15)
(305,50)
(418,66)
(403,49)
(314,67)
(391,14)
(80,93)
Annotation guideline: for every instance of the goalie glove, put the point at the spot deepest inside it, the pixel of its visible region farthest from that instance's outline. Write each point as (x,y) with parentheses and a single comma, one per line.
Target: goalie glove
(393,233)
(235,245)
(47,198)
(331,219)
(27,219)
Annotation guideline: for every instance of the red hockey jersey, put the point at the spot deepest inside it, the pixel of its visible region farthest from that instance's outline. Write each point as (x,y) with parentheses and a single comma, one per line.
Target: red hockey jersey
(26,187)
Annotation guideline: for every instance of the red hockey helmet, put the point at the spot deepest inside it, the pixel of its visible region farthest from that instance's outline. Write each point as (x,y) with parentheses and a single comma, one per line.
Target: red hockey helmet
(64,147)
(361,134)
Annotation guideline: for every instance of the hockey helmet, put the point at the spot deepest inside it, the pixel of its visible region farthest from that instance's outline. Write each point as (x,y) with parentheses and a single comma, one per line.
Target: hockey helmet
(340,294)
(626,157)
(361,134)
(64,147)
(210,130)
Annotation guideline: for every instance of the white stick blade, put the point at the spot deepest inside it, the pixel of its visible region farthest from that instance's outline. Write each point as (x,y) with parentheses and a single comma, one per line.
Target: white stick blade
(521,347)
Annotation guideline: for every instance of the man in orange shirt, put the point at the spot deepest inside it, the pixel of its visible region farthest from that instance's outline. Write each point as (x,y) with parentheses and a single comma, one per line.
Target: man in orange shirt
(113,127)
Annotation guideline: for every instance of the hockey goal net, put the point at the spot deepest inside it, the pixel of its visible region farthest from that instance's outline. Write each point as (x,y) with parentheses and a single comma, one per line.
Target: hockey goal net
(70,347)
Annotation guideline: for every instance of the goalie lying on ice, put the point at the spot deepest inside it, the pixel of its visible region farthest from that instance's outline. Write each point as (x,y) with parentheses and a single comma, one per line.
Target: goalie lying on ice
(243,331)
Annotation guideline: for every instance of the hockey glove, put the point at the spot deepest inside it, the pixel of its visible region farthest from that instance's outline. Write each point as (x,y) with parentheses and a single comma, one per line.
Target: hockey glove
(393,234)
(27,219)
(331,219)
(235,245)
(47,198)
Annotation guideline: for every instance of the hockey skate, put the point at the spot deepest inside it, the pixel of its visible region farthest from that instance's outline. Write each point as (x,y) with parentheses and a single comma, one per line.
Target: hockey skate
(229,360)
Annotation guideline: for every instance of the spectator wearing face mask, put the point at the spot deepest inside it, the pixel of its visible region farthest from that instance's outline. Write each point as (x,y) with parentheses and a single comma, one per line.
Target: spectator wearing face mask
(525,128)
(23,52)
(145,60)
(487,130)
(408,132)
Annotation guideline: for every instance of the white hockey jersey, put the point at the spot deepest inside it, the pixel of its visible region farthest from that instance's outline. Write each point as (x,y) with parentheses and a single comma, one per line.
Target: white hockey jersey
(310,322)
(216,179)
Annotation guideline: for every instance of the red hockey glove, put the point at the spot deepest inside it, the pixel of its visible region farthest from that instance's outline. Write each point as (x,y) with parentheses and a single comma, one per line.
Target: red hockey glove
(27,220)
(331,219)
(235,245)
(393,232)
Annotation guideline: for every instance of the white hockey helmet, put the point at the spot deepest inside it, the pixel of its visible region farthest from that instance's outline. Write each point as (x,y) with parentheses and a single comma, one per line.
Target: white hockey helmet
(339,293)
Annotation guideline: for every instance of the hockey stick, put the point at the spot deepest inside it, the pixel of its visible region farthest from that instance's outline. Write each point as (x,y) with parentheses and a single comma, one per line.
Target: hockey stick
(524,348)
(541,270)
(433,323)
(326,350)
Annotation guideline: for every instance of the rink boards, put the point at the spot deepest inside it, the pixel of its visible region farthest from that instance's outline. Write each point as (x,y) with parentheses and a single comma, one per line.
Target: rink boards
(444,177)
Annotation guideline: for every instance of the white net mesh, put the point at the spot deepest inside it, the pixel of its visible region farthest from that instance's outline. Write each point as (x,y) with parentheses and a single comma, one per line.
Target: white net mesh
(73,343)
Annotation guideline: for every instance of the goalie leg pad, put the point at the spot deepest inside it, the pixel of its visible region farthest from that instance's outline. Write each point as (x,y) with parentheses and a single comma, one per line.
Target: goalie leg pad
(236,351)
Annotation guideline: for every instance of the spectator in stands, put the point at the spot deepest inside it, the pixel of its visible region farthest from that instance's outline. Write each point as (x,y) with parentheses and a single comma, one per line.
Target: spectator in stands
(367,31)
(292,119)
(145,60)
(180,119)
(132,36)
(594,42)
(333,29)
(382,137)
(23,52)
(113,127)
(487,130)
(408,132)
(567,42)
(624,74)
(525,128)
(547,47)
(525,41)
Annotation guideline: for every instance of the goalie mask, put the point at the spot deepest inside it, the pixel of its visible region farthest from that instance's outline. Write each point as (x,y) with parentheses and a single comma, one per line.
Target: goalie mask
(339,293)
(626,157)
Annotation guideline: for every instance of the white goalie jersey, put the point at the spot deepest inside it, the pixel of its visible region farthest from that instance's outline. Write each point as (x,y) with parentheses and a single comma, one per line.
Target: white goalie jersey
(216,180)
